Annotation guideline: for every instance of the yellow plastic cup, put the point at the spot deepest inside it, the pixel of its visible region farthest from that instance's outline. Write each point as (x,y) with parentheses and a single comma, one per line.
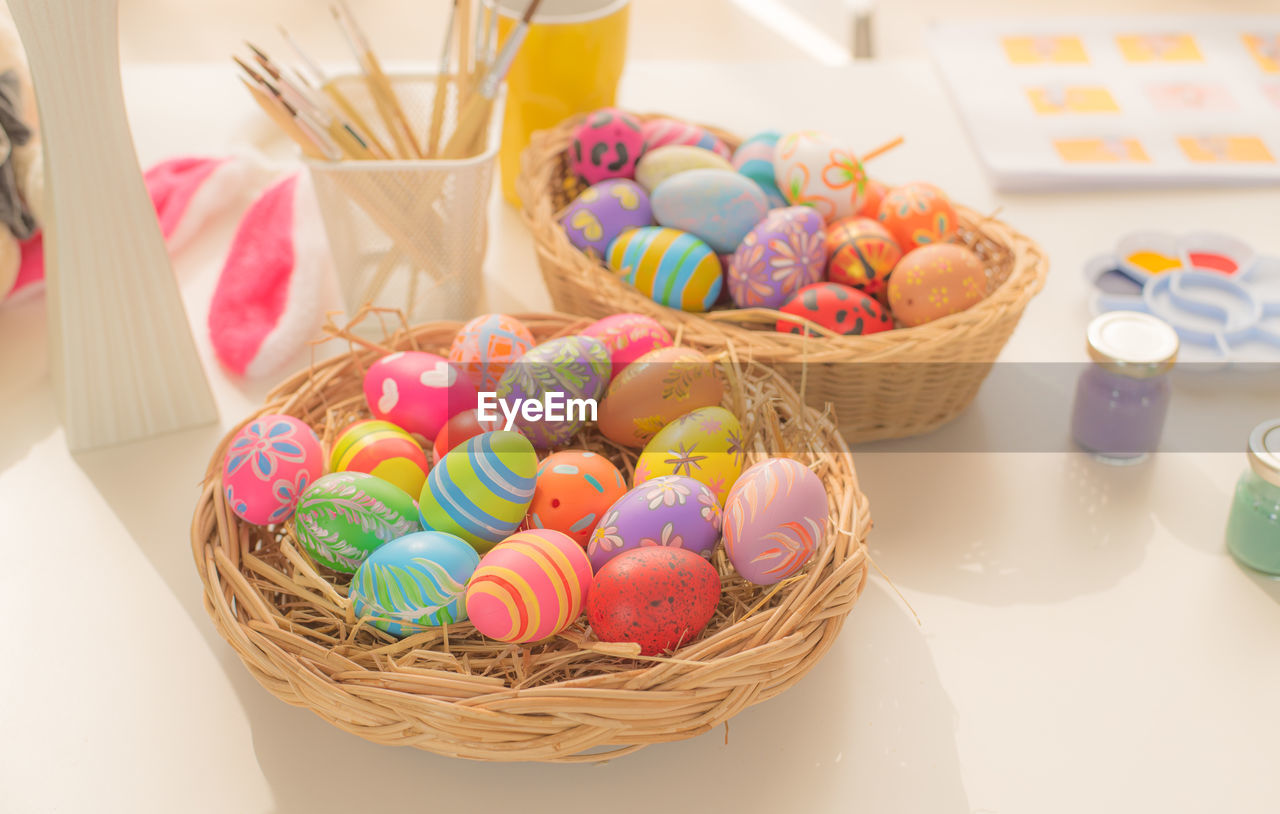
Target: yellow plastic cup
(570,63)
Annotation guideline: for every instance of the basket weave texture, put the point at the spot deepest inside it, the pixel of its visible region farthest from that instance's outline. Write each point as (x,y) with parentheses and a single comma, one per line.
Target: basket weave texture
(907,381)
(570,698)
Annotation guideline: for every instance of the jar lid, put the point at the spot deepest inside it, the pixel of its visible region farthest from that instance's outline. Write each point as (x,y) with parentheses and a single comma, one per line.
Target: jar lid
(1132,343)
(1264,450)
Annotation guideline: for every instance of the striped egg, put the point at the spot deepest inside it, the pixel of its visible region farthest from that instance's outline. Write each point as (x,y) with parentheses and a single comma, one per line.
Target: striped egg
(670,267)
(415,582)
(486,345)
(481,491)
(530,586)
(382,449)
(662,132)
(754,159)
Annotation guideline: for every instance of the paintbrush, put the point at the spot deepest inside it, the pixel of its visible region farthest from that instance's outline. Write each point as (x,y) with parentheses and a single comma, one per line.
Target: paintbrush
(384,95)
(280,113)
(442,85)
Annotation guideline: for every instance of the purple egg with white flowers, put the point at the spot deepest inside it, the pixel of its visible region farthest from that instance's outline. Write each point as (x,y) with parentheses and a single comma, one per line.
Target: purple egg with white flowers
(668,511)
(782,254)
(604,211)
(775,519)
(556,376)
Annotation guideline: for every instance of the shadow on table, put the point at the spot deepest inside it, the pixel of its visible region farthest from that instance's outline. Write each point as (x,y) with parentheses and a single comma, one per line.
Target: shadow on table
(28,411)
(852,733)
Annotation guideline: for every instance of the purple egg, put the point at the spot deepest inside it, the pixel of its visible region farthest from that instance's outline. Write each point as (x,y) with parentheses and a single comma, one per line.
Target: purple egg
(671,510)
(774,520)
(603,212)
(779,256)
(562,371)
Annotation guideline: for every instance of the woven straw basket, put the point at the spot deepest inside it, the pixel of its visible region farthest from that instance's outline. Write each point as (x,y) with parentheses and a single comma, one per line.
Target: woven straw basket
(906,381)
(567,699)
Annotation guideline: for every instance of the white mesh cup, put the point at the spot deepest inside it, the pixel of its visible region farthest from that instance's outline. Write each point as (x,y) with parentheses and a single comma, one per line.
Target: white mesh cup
(409,234)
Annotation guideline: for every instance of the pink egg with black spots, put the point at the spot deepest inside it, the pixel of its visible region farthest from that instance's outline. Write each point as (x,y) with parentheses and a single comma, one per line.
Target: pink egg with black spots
(660,598)
(607,145)
(838,308)
(417,391)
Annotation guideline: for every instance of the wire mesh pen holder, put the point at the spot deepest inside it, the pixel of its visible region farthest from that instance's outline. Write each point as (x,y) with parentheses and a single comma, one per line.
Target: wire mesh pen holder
(409,234)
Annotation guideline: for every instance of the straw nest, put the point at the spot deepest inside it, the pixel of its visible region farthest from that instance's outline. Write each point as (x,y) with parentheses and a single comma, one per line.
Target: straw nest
(569,698)
(890,384)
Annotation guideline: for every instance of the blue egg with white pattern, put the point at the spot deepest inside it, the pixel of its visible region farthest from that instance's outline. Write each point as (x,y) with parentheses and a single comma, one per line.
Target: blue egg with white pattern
(575,487)
(414,583)
(717,206)
(754,159)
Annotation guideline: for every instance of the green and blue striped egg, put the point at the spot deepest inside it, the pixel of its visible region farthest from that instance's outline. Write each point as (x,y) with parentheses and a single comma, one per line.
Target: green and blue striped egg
(480,491)
(754,159)
(415,582)
(669,266)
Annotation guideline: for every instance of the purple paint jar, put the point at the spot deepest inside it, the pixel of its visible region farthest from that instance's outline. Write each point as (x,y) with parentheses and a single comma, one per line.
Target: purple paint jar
(1122,398)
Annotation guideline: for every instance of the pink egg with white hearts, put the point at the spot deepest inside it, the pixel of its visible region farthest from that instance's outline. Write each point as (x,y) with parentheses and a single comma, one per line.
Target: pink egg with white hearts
(664,132)
(417,391)
(269,463)
(607,145)
(627,337)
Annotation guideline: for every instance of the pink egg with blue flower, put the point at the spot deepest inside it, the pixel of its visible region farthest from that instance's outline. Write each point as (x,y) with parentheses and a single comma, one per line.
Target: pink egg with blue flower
(607,145)
(269,464)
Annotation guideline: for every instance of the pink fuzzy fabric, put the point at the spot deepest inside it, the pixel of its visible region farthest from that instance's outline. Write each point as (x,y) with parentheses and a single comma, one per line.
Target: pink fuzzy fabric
(173,183)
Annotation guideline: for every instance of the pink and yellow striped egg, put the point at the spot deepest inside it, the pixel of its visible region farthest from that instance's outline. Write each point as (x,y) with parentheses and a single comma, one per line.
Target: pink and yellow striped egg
(532,585)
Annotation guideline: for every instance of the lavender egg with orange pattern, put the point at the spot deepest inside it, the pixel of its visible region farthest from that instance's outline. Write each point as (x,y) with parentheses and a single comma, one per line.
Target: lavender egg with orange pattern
(774,520)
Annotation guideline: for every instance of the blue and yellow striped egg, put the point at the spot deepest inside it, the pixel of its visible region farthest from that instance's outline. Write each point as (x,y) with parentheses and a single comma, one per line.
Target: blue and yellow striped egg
(669,266)
(415,582)
(532,585)
(381,449)
(481,490)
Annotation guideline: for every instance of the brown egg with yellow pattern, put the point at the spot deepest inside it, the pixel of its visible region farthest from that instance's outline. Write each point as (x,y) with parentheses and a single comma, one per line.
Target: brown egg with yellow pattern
(935,281)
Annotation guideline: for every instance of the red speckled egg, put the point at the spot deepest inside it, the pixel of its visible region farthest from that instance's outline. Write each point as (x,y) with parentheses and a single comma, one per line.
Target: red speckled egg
(462,428)
(574,488)
(659,597)
(861,253)
(918,214)
(837,308)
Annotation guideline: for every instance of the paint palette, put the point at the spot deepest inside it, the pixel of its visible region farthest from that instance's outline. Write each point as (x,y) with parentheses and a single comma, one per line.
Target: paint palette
(1221,297)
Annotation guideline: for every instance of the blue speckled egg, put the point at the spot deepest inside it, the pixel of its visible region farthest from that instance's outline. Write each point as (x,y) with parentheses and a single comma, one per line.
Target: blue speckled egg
(604,211)
(415,582)
(718,206)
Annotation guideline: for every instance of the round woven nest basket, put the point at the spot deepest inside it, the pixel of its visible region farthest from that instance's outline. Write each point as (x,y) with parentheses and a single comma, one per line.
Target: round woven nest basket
(570,698)
(891,384)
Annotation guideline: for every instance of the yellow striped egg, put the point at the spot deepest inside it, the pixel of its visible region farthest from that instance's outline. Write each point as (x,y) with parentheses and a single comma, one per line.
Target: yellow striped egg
(481,490)
(669,266)
(530,586)
(382,449)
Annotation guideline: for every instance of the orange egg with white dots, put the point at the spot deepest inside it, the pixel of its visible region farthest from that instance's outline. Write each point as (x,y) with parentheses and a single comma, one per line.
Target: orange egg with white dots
(932,282)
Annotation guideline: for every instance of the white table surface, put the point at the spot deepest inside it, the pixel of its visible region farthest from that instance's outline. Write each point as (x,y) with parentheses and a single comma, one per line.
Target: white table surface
(1084,644)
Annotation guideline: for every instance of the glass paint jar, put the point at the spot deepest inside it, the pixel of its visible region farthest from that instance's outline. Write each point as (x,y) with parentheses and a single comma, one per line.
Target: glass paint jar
(1123,396)
(1253,527)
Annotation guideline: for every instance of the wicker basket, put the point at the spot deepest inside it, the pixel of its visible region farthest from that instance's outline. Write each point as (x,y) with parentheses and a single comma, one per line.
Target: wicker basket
(568,699)
(906,382)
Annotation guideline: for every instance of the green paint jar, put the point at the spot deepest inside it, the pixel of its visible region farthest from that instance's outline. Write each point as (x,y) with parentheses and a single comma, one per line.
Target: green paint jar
(1253,528)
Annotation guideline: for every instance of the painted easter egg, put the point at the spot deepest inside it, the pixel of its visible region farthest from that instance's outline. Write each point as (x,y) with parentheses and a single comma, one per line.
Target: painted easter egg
(413,583)
(481,490)
(607,145)
(344,517)
(837,308)
(604,211)
(933,281)
(663,132)
(486,345)
(704,444)
(774,520)
(417,391)
(918,214)
(462,428)
(532,585)
(668,511)
(655,390)
(658,165)
(779,256)
(814,169)
(568,371)
(269,463)
(669,266)
(660,598)
(719,206)
(382,449)
(628,337)
(754,159)
(861,253)
(574,489)
(876,190)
